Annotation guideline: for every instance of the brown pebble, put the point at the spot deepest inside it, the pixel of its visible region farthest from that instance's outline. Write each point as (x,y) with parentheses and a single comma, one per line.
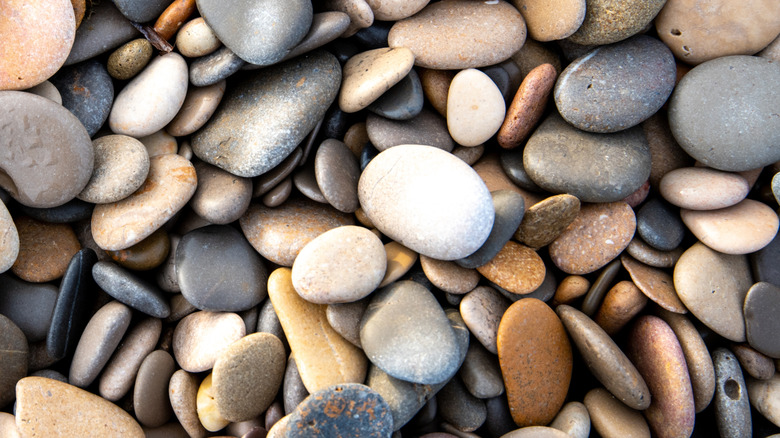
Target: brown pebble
(150,394)
(547,219)
(356,138)
(182,391)
(516,268)
(753,362)
(436,86)
(13,361)
(655,283)
(44,250)
(449,276)
(146,254)
(173,17)
(652,256)
(620,305)
(665,154)
(570,288)
(527,106)
(613,419)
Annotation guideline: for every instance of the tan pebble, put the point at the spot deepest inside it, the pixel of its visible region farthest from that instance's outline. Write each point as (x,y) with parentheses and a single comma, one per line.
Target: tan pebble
(221,197)
(267,181)
(8,427)
(170,184)
(771,51)
(548,21)
(613,419)
(654,283)
(17,360)
(160,143)
(573,419)
(449,276)
(701,188)
(196,39)
(569,289)
(598,235)
(765,397)
(98,342)
(45,249)
(516,268)
(200,338)
(395,10)
(620,305)
(753,362)
(369,74)
(535,432)
(182,391)
(146,254)
(740,229)
(119,375)
(48,90)
(360,14)
(9,239)
(489,169)
(475,108)
(323,357)
(208,413)
(608,21)
(436,86)
(652,256)
(534,54)
(544,221)
(47,407)
(399,260)
(198,107)
(277,195)
(527,106)
(129,59)
(121,166)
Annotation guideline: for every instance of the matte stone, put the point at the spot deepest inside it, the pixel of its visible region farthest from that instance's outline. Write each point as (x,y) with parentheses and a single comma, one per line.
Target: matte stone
(121,167)
(293,389)
(129,59)
(659,225)
(509,208)
(370,74)
(182,391)
(401,102)
(449,276)
(9,239)
(197,109)
(613,419)
(732,407)
(528,105)
(98,342)
(666,154)
(104,28)
(426,128)
(481,373)
(214,67)
(573,419)
(13,362)
(740,229)
(571,288)
(200,338)
(762,303)
(196,38)
(482,310)
(459,408)
(544,221)
(325,27)
(650,256)
(44,250)
(702,188)
(130,289)
(621,303)
(141,11)
(609,21)
(72,309)
(87,91)
(754,363)
(337,172)
(151,405)
(548,22)
(120,372)
(516,268)
(221,197)
(764,263)
(27,305)
(218,270)
(655,283)
(475,108)
(763,396)
(536,432)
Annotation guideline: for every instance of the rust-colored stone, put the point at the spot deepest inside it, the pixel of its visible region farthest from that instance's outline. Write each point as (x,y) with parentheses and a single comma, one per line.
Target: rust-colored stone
(173,17)
(527,106)
(516,268)
(621,303)
(655,283)
(44,250)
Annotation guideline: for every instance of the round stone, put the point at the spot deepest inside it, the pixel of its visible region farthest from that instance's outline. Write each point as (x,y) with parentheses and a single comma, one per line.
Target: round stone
(610,21)
(449,276)
(121,167)
(548,22)
(475,108)
(427,200)
(721,113)
(196,39)
(337,172)
(621,303)
(198,107)
(45,250)
(221,197)
(151,405)
(200,338)
(659,225)
(740,229)
(98,342)
(516,268)
(129,59)
(761,304)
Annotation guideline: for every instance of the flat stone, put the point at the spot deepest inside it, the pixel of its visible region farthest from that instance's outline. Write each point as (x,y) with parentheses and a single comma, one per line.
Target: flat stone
(598,234)
(481,373)
(39,172)
(460,34)
(44,250)
(397,191)
(13,362)
(104,28)
(198,107)
(337,172)
(732,407)
(613,419)
(561,159)
(368,75)
(395,10)
(221,197)
(119,374)
(426,128)
(600,287)
(571,288)
(761,302)
(262,120)
(182,391)
(264,183)
(268,229)
(475,108)
(460,408)
(260,33)
(73,307)
(703,122)
(700,188)
(406,333)
(607,21)
(345,319)
(360,411)
(654,283)
(659,225)
(754,363)
(214,67)
(305,181)
(740,229)
(151,405)
(130,59)
(200,338)
(248,375)
(536,361)
(28,305)
(129,289)
(360,13)
(323,357)
(449,276)
(656,353)
(516,268)
(160,143)
(121,167)
(98,342)
(86,91)
(170,184)
(37,41)
(399,260)
(544,221)
(48,407)
(146,254)
(401,102)
(763,396)
(621,304)
(650,256)
(325,27)
(528,105)
(196,39)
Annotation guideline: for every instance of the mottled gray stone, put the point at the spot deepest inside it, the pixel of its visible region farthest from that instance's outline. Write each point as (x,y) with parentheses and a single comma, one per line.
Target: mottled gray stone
(214,67)
(87,92)
(732,406)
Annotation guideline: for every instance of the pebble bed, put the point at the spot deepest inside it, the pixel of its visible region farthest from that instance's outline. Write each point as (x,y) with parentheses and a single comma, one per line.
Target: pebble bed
(395,218)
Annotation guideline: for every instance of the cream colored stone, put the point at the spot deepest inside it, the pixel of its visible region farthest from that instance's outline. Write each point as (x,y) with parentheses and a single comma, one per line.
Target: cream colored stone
(740,229)
(369,74)
(207,407)
(201,337)
(612,419)
(160,143)
(196,38)
(121,166)
(475,108)
(701,188)
(394,10)
(9,239)
(765,397)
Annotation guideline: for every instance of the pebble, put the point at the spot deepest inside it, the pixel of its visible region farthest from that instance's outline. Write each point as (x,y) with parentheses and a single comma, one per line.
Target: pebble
(516,268)
(599,288)
(262,120)
(260,33)
(427,128)
(152,99)
(98,342)
(475,108)
(561,159)
(121,167)
(8,425)
(763,263)
(200,338)
(427,200)
(345,319)
(278,194)
(208,414)
(651,256)
(549,22)
(696,36)
(160,143)
(611,418)
(248,375)
(754,363)
(544,221)
(536,361)
(28,305)
(151,405)
(50,408)
(406,333)
(305,181)
(127,288)
(360,14)
(621,304)
(104,28)
(449,276)
(368,75)
(322,356)
(763,395)
(141,11)
(460,34)
(45,250)
(481,373)
(119,374)
(221,197)
(399,260)
(703,123)
(598,234)
(701,188)
(492,173)
(659,225)
(182,391)
(509,208)
(460,408)
(348,409)
(198,107)
(605,359)
(130,59)
(41,173)
(74,210)
(37,40)
(267,181)
(607,22)
(268,229)
(655,351)
(572,287)
(396,9)
(336,171)
(403,101)
(573,419)
(86,90)
(196,39)
(655,283)
(761,303)
(732,407)
(740,229)
(341,265)
(214,67)
(48,90)
(512,164)
(13,363)
(171,182)
(528,105)
(146,254)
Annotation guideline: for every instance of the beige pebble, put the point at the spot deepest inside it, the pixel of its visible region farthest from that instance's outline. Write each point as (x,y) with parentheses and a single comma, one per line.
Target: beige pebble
(394,10)
(753,362)
(399,260)
(612,419)
(160,143)
(198,107)
(48,90)
(482,310)
(8,427)
(573,419)
(221,197)
(119,374)
(208,413)
(201,337)
(196,39)
(182,391)
(475,108)
(98,342)
(367,75)
(121,167)
(740,229)
(469,154)
(765,397)
(9,239)
(548,21)
(701,188)
(449,276)
(544,221)
(655,283)
(360,13)
(532,55)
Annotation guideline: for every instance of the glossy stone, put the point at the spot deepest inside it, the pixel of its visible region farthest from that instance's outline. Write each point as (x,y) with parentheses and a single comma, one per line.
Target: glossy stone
(72,309)
(401,102)
(368,75)
(740,229)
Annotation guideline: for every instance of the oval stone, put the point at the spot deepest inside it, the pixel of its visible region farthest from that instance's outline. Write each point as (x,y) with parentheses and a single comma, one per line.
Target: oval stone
(593,167)
(482,310)
(45,249)
(105,28)
(426,128)
(262,120)
(620,304)
(722,113)
(616,87)
(460,34)
(196,39)
(341,265)
(613,419)
(427,200)
(152,99)
(655,283)
(610,21)
(740,229)
(86,90)
(13,362)
(28,305)
(449,276)
(368,75)
(475,108)
(200,338)
(516,268)
(536,361)
(119,374)
(121,167)
(544,221)
(182,392)
(221,197)
(128,60)
(170,184)
(763,395)
(151,405)
(701,188)
(128,288)
(659,225)
(732,407)
(551,21)
(38,171)
(98,342)
(198,107)
(337,172)
(9,239)
(762,303)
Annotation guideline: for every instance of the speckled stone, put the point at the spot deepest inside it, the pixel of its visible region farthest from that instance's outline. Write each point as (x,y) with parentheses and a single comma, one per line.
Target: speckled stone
(754,363)
(268,230)
(536,361)
(28,305)
(516,268)
(200,338)
(613,419)
(427,128)
(182,392)
(337,172)
(609,21)
(129,59)
(261,121)
(45,250)
(13,362)
(98,342)
(654,349)
(761,305)
(170,184)
(763,396)
(598,234)
(121,167)
(703,121)
(544,221)
(49,408)
(509,208)
(86,91)
(548,22)
(475,108)
(37,41)
(427,200)
(527,106)
(104,28)
(460,34)
(732,407)
(740,229)
(39,172)
(655,283)
(571,288)
(197,109)
(119,374)
(621,303)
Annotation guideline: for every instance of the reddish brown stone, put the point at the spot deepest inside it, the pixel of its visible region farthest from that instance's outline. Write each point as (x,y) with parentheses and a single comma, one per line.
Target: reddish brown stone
(44,250)
(527,106)
(173,17)
(622,302)
(516,268)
